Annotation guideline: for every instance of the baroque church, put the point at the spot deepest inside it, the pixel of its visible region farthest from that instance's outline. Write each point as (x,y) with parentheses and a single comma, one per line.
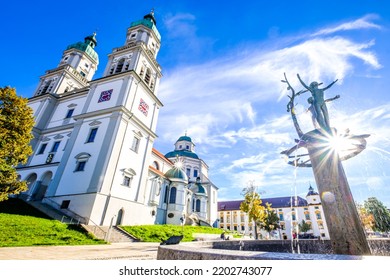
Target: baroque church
(93,141)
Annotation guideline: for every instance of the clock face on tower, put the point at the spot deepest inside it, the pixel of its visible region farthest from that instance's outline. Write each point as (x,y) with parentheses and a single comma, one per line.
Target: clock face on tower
(105,95)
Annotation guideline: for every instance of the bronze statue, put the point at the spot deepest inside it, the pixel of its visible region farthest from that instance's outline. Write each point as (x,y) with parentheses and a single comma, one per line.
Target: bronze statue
(318,108)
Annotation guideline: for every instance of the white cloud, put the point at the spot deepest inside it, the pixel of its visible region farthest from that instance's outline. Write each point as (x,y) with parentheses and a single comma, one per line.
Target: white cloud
(361,23)
(223,92)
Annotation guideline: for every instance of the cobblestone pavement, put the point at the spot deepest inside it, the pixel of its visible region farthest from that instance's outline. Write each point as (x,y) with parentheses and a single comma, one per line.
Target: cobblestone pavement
(124,251)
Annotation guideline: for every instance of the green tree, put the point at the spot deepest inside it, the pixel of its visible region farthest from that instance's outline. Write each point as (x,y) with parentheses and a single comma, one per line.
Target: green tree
(16,123)
(270,220)
(252,206)
(380,213)
(304,227)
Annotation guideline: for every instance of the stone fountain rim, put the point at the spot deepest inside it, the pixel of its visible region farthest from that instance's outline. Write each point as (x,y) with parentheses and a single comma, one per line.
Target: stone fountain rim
(204,251)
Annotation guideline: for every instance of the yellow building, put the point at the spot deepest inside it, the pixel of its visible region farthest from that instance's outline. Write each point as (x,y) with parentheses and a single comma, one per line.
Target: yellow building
(291,210)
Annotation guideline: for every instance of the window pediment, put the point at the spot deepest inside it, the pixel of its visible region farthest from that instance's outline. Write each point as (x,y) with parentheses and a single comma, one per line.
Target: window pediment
(129,172)
(83,156)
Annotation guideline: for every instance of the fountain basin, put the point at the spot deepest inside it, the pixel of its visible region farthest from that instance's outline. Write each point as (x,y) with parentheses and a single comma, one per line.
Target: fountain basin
(265,250)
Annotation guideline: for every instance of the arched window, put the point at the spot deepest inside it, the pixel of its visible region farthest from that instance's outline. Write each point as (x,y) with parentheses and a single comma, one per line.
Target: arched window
(112,69)
(147,76)
(198,205)
(141,73)
(127,66)
(120,65)
(155,165)
(47,84)
(172,196)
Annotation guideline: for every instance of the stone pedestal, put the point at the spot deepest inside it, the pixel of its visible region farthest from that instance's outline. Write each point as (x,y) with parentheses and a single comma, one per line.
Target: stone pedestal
(344,225)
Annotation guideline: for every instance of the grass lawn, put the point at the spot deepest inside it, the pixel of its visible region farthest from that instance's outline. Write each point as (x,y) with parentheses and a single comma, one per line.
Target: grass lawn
(157,233)
(23,225)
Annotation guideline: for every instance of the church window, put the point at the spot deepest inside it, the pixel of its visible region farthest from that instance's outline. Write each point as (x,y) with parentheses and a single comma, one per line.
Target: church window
(82,159)
(50,87)
(195,173)
(65,204)
(82,73)
(318,216)
(188,172)
(112,69)
(120,65)
(69,113)
(147,76)
(86,65)
(128,175)
(127,181)
(293,217)
(172,195)
(42,149)
(307,216)
(155,165)
(198,205)
(141,73)
(47,84)
(188,147)
(281,218)
(80,166)
(55,146)
(92,135)
(127,66)
(135,144)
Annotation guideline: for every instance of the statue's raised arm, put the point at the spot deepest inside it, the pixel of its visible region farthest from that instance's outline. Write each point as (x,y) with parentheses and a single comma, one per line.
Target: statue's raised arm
(331,84)
(299,78)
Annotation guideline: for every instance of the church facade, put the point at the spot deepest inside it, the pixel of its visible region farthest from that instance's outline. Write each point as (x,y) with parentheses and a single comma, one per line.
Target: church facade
(93,141)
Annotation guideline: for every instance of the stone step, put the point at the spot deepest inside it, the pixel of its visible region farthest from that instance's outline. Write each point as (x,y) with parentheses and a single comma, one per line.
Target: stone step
(115,235)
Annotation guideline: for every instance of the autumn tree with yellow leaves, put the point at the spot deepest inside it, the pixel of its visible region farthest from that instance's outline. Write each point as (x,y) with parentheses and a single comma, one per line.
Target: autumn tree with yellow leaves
(16,123)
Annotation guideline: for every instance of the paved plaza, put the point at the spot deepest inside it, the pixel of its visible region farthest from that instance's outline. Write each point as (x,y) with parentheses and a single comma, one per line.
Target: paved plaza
(124,251)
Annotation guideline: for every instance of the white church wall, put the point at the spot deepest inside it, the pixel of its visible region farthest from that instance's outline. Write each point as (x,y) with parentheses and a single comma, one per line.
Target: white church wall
(142,105)
(78,181)
(133,213)
(108,94)
(124,158)
(35,105)
(59,116)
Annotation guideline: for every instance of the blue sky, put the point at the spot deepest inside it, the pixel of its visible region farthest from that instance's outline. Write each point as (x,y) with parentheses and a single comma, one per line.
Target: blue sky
(222,64)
